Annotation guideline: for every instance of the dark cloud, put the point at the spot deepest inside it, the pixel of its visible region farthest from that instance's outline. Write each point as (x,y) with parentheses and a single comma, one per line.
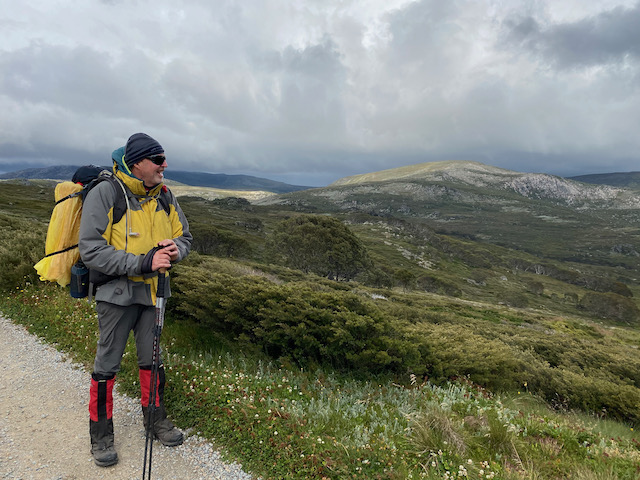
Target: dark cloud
(288,97)
(609,37)
(311,84)
(41,153)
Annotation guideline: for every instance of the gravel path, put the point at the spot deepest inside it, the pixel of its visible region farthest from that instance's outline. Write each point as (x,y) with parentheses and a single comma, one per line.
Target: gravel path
(44,423)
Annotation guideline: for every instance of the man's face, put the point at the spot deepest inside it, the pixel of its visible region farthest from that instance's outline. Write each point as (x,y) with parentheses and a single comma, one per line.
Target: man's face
(149,171)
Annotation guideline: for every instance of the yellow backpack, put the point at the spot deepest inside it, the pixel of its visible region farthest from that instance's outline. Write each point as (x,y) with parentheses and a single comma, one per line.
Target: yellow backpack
(61,247)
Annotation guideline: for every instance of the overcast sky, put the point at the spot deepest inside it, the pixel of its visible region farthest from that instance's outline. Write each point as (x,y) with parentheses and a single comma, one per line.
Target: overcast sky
(310,91)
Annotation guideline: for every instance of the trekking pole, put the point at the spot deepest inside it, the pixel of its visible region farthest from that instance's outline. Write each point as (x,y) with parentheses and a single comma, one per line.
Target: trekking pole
(155,366)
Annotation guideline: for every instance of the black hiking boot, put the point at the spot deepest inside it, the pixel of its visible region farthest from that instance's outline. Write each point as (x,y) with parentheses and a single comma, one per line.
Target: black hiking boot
(101,421)
(163,429)
(102,449)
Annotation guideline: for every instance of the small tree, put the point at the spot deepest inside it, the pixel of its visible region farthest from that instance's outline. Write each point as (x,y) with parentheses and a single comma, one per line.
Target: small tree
(406,278)
(209,240)
(611,306)
(321,245)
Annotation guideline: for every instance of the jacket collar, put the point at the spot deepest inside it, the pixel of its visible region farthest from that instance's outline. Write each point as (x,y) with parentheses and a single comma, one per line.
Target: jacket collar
(136,186)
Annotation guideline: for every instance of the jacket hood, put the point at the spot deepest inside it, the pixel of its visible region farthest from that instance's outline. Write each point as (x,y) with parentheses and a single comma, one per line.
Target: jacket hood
(118,162)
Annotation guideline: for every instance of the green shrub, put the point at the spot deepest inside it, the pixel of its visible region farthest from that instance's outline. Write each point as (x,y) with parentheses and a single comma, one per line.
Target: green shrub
(431,283)
(210,240)
(232,203)
(611,306)
(309,323)
(321,245)
(455,351)
(535,287)
(575,390)
(21,247)
(405,278)
(376,277)
(514,299)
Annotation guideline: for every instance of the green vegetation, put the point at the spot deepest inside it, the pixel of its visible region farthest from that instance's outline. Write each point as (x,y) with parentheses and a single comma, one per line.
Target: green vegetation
(284,422)
(444,358)
(320,245)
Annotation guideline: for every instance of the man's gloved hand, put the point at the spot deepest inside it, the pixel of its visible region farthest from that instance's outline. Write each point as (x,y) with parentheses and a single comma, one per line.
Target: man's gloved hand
(155,259)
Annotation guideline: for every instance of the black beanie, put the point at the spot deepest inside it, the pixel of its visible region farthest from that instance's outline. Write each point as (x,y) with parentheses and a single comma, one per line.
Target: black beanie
(140,146)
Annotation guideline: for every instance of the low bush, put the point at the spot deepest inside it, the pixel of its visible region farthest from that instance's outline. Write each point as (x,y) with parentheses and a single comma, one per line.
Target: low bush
(455,351)
(611,306)
(304,321)
(333,325)
(210,240)
(319,244)
(431,283)
(21,247)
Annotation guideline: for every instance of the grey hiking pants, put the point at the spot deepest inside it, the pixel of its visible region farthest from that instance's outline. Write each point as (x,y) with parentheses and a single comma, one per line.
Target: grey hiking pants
(115,323)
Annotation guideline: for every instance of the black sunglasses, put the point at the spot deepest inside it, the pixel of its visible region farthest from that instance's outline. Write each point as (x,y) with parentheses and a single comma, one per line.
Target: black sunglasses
(157,159)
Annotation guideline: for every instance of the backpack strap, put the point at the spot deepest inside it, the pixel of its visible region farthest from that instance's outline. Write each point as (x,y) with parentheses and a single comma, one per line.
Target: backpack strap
(165,200)
(61,251)
(121,203)
(81,192)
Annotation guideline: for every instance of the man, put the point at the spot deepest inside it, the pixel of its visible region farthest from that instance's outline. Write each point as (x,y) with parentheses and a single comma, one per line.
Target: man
(128,252)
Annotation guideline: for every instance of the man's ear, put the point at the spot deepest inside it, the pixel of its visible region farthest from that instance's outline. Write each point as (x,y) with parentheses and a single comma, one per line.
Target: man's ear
(134,171)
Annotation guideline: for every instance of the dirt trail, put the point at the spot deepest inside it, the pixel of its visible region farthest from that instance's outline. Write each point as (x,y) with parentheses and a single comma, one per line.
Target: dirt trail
(44,423)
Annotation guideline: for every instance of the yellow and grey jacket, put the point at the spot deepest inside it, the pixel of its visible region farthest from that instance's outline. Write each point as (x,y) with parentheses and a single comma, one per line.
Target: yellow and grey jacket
(118,249)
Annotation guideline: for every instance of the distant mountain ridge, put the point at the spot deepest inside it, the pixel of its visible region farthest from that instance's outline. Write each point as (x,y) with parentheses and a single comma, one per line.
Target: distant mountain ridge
(540,185)
(196,179)
(616,179)
(474,174)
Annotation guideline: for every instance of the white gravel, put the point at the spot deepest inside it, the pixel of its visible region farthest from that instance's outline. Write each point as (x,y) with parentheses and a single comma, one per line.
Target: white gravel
(44,423)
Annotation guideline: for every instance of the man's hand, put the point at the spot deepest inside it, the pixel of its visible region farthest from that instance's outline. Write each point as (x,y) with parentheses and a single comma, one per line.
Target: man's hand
(170,247)
(161,259)
(160,256)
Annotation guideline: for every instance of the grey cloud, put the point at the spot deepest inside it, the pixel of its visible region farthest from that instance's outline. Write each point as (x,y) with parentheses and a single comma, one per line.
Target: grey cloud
(211,96)
(292,95)
(523,31)
(609,37)
(80,79)
(312,83)
(422,30)
(79,96)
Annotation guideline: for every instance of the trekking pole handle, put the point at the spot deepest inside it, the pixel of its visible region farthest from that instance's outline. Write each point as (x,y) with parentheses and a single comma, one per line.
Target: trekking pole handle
(161,282)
